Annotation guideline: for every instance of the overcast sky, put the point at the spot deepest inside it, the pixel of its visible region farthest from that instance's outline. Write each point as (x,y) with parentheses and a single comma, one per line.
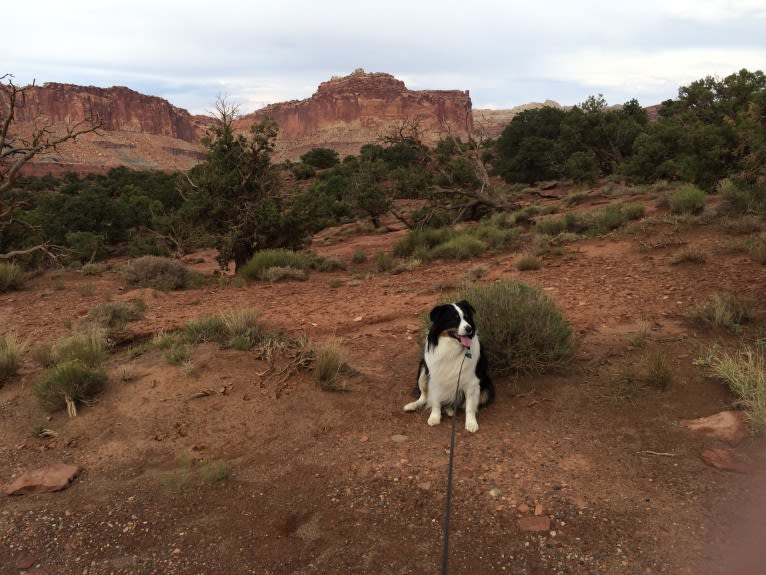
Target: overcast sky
(505,52)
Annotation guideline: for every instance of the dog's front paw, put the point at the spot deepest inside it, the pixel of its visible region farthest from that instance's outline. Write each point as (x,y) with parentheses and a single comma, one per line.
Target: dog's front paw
(434,419)
(472,426)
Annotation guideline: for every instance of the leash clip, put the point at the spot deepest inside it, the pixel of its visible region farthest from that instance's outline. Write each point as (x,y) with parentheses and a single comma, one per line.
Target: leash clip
(468,352)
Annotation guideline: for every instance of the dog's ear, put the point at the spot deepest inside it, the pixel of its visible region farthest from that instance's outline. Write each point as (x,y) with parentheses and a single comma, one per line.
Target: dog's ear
(438,312)
(465,306)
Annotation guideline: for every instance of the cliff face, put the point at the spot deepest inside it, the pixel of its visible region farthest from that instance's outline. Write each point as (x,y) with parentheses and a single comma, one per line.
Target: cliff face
(120,109)
(147,132)
(346,113)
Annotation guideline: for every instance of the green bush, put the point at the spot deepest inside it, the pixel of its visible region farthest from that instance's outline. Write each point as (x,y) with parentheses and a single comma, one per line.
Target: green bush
(419,243)
(11,277)
(89,345)
(115,316)
(461,247)
(688,200)
(528,262)
(236,328)
(257,268)
(72,381)
(159,273)
(522,330)
(9,357)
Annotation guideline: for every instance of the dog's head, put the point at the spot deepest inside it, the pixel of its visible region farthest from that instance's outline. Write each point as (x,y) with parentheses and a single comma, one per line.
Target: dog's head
(453,320)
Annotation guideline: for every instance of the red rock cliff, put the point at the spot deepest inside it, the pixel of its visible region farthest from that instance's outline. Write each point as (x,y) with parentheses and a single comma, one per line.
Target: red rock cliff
(120,109)
(346,113)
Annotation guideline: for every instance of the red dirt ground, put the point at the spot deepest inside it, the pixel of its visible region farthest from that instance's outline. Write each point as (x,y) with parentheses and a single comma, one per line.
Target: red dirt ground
(328,482)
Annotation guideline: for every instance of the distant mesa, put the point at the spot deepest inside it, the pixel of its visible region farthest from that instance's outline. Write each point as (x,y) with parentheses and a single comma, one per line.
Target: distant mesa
(148,133)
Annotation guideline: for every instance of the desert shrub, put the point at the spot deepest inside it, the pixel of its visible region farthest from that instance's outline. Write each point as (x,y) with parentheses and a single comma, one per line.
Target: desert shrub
(384,262)
(85,246)
(528,262)
(236,328)
(115,316)
(93,269)
(178,353)
(659,374)
(214,470)
(280,274)
(689,199)
(9,357)
(689,255)
(328,367)
(550,226)
(496,237)
(242,328)
(11,277)
(722,309)
(461,247)
(419,243)
(159,273)
(741,199)
(89,345)
(757,249)
(43,353)
(742,225)
(745,374)
(71,381)
(204,330)
(359,256)
(258,266)
(521,328)
(323,264)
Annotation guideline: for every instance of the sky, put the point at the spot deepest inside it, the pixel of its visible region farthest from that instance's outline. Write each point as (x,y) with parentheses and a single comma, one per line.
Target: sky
(504,52)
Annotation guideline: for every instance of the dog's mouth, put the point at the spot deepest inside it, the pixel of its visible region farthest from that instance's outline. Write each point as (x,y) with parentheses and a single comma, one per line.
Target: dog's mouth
(464,340)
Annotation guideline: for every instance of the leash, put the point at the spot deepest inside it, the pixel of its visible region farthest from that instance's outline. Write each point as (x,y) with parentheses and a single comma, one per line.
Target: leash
(448,504)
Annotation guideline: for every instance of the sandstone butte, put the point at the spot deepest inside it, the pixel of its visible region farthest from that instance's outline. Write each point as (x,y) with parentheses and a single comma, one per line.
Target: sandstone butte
(148,133)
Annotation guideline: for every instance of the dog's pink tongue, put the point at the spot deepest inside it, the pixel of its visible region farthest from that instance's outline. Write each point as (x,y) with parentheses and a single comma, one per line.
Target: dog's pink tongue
(465,340)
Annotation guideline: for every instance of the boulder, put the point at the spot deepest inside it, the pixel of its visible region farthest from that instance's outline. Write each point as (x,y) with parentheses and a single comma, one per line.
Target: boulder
(46,479)
(727,426)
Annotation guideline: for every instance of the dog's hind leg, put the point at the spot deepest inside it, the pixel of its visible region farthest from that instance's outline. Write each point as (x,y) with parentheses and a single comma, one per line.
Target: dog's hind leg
(423,386)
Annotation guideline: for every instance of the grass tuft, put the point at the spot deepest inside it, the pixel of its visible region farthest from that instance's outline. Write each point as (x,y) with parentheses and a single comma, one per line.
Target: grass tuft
(745,374)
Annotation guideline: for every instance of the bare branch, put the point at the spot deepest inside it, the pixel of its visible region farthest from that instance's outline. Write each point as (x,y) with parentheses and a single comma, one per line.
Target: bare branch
(15,150)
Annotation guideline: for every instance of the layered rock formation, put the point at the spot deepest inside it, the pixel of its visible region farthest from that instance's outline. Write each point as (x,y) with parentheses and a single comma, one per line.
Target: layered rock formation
(120,110)
(347,112)
(146,132)
(139,131)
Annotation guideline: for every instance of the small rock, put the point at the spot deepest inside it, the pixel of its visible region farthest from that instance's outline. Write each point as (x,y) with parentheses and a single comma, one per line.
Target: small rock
(27,562)
(495,492)
(724,459)
(54,477)
(538,509)
(726,426)
(396,438)
(535,523)
(523,508)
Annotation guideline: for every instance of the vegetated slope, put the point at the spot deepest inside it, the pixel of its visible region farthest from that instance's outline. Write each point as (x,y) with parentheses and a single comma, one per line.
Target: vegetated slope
(327,483)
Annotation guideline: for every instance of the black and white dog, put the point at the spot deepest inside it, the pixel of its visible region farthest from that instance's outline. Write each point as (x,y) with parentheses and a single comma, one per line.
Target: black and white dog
(452,353)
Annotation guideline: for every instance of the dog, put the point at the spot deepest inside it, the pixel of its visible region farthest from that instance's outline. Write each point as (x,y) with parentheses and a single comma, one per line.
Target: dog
(453,352)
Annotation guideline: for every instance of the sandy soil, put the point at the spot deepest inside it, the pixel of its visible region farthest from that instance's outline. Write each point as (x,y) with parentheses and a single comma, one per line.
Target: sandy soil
(327,482)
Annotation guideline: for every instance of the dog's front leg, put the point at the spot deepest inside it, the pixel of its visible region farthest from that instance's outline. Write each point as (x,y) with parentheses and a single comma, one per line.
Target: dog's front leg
(436,414)
(471,407)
